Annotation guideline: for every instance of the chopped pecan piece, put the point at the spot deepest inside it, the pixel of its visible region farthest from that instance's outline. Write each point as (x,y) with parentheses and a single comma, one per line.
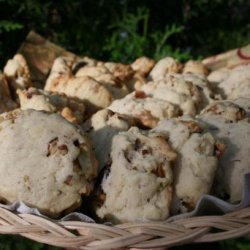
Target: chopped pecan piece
(140,94)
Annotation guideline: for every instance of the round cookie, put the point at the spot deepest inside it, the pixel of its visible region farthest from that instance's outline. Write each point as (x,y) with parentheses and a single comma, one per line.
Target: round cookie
(138,186)
(244,103)
(62,66)
(218,76)
(136,82)
(196,163)
(38,99)
(125,75)
(163,67)
(232,127)
(121,71)
(242,90)
(204,87)
(226,109)
(235,78)
(46,162)
(92,71)
(86,89)
(6,103)
(149,111)
(101,128)
(195,67)
(143,65)
(17,72)
(175,89)
(102,75)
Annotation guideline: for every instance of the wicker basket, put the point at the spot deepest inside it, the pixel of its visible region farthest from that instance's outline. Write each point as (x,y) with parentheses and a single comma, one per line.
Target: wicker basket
(82,235)
(92,236)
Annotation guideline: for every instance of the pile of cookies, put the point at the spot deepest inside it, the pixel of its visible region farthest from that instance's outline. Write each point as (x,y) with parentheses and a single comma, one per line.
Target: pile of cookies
(143,141)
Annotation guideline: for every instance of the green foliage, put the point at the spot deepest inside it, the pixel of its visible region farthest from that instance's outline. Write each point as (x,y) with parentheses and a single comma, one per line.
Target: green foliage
(7,26)
(124,29)
(163,48)
(130,38)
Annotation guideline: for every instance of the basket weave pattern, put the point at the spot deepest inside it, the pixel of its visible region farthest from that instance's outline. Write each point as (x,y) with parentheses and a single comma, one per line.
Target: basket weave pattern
(91,236)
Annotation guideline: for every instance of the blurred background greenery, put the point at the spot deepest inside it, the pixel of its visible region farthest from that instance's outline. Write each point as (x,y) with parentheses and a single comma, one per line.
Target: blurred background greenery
(121,30)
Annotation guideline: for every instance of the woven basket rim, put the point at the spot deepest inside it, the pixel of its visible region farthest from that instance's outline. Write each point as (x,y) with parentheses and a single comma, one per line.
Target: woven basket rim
(148,235)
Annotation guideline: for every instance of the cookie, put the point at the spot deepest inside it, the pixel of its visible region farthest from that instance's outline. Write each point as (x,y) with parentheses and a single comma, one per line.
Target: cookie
(92,71)
(149,111)
(218,76)
(6,102)
(196,163)
(86,89)
(121,71)
(244,103)
(46,162)
(136,82)
(143,65)
(234,79)
(225,109)
(60,70)
(174,89)
(233,129)
(195,67)
(207,93)
(102,75)
(163,67)
(101,128)
(138,186)
(242,90)
(70,109)
(62,66)
(17,73)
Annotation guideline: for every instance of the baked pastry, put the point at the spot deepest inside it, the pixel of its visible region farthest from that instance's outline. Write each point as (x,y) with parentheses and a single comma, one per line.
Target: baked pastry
(6,102)
(235,77)
(225,109)
(242,90)
(86,89)
(96,85)
(92,71)
(46,162)
(70,109)
(218,76)
(195,67)
(143,65)
(125,74)
(62,66)
(17,73)
(101,128)
(163,67)
(207,93)
(244,103)
(121,71)
(149,111)
(138,186)
(102,75)
(175,89)
(135,82)
(196,162)
(227,121)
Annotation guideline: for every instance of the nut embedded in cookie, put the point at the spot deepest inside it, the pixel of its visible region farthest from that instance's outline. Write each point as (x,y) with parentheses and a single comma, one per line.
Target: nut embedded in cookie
(46,162)
(139,184)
